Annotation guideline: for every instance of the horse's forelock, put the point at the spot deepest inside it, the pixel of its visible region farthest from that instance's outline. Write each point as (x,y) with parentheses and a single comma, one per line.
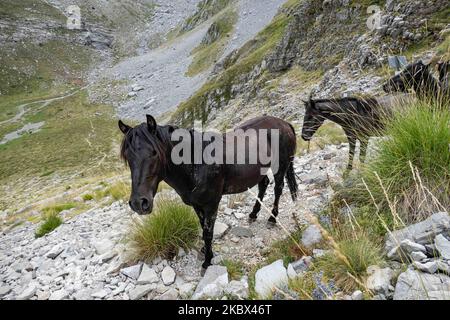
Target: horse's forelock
(141,131)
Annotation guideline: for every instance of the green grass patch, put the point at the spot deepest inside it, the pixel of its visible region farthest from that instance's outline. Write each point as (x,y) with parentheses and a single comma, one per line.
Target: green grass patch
(173,225)
(88,197)
(205,10)
(58,208)
(51,221)
(235,268)
(288,249)
(206,55)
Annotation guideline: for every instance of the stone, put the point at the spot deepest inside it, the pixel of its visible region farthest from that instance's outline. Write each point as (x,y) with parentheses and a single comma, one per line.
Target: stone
(443,267)
(409,246)
(415,285)
(55,251)
(318,253)
(220,229)
(357,295)
(303,264)
(28,293)
(107,256)
(186,289)
(311,236)
(239,215)
(171,294)
(418,256)
(429,267)
(291,272)
(147,276)
(422,233)
(379,279)
(318,178)
(242,232)
(168,276)
(132,272)
(100,294)
(59,295)
(140,291)
(269,277)
(238,289)
(212,284)
(4,290)
(103,246)
(442,246)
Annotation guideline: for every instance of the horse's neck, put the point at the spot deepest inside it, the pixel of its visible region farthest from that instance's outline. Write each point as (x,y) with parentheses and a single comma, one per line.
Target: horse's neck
(336,112)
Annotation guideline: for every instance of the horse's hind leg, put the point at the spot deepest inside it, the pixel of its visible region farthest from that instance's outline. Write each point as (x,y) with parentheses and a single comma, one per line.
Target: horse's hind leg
(363,150)
(279,185)
(351,154)
(262,187)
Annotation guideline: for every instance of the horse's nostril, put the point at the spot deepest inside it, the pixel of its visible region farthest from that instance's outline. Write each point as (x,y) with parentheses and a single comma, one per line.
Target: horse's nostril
(145,204)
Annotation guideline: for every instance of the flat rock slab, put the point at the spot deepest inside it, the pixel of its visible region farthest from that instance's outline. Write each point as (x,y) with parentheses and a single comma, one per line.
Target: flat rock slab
(311,236)
(147,276)
(270,277)
(55,252)
(212,284)
(220,229)
(140,291)
(442,246)
(132,272)
(103,246)
(415,285)
(422,233)
(242,232)
(59,295)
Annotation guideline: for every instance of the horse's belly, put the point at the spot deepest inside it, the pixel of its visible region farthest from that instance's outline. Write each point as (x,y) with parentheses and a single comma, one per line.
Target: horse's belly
(241,178)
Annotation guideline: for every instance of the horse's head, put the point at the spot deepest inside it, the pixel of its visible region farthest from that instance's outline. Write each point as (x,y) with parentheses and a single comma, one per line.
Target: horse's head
(312,121)
(143,150)
(410,77)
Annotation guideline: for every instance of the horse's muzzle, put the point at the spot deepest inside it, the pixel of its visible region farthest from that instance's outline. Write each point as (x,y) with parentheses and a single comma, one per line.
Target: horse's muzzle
(142,206)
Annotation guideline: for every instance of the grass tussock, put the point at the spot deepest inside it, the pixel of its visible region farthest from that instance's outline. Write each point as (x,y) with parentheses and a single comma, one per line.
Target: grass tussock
(360,252)
(410,175)
(52,220)
(288,249)
(235,268)
(172,226)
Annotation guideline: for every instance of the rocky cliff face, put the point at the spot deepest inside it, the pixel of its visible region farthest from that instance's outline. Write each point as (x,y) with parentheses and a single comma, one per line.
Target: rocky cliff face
(331,37)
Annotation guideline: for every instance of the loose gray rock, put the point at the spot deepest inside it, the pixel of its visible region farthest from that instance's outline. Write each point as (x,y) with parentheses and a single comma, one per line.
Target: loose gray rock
(429,267)
(212,284)
(220,229)
(357,295)
(132,272)
(442,246)
(302,264)
(422,233)
(311,236)
(59,295)
(242,232)
(140,291)
(408,246)
(147,276)
(418,256)
(28,293)
(186,289)
(103,246)
(55,251)
(270,277)
(415,285)
(168,276)
(379,279)
(100,294)
(4,290)
(238,289)
(171,294)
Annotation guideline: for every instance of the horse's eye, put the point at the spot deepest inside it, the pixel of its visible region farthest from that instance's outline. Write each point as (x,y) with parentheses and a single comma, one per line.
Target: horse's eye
(153,153)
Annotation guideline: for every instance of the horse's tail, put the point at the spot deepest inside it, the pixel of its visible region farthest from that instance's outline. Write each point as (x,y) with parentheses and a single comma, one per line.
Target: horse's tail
(292,182)
(290,173)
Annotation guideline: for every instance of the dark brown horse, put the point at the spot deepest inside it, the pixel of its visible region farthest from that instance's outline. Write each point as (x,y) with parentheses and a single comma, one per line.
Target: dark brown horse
(418,77)
(360,118)
(153,155)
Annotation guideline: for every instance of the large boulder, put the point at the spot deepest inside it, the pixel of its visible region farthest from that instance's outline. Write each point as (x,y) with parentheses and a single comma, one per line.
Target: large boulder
(212,284)
(311,236)
(415,285)
(270,277)
(420,233)
(442,246)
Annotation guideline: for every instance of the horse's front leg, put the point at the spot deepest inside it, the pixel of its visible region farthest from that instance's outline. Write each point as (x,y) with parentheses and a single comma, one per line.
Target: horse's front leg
(351,154)
(208,234)
(363,150)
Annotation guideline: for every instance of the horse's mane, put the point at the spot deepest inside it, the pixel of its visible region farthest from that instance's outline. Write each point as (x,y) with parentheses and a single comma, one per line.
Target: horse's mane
(158,141)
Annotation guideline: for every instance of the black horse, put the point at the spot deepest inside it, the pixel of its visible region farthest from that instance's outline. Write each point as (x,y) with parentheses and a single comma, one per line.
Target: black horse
(360,118)
(418,77)
(148,148)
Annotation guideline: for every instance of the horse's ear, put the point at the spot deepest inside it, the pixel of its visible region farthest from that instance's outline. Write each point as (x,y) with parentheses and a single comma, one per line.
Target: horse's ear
(151,124)
(123,127)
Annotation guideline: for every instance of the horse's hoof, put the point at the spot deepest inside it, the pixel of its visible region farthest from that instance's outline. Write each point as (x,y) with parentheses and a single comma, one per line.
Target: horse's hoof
(271,224)
(202,272)
(205,266)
